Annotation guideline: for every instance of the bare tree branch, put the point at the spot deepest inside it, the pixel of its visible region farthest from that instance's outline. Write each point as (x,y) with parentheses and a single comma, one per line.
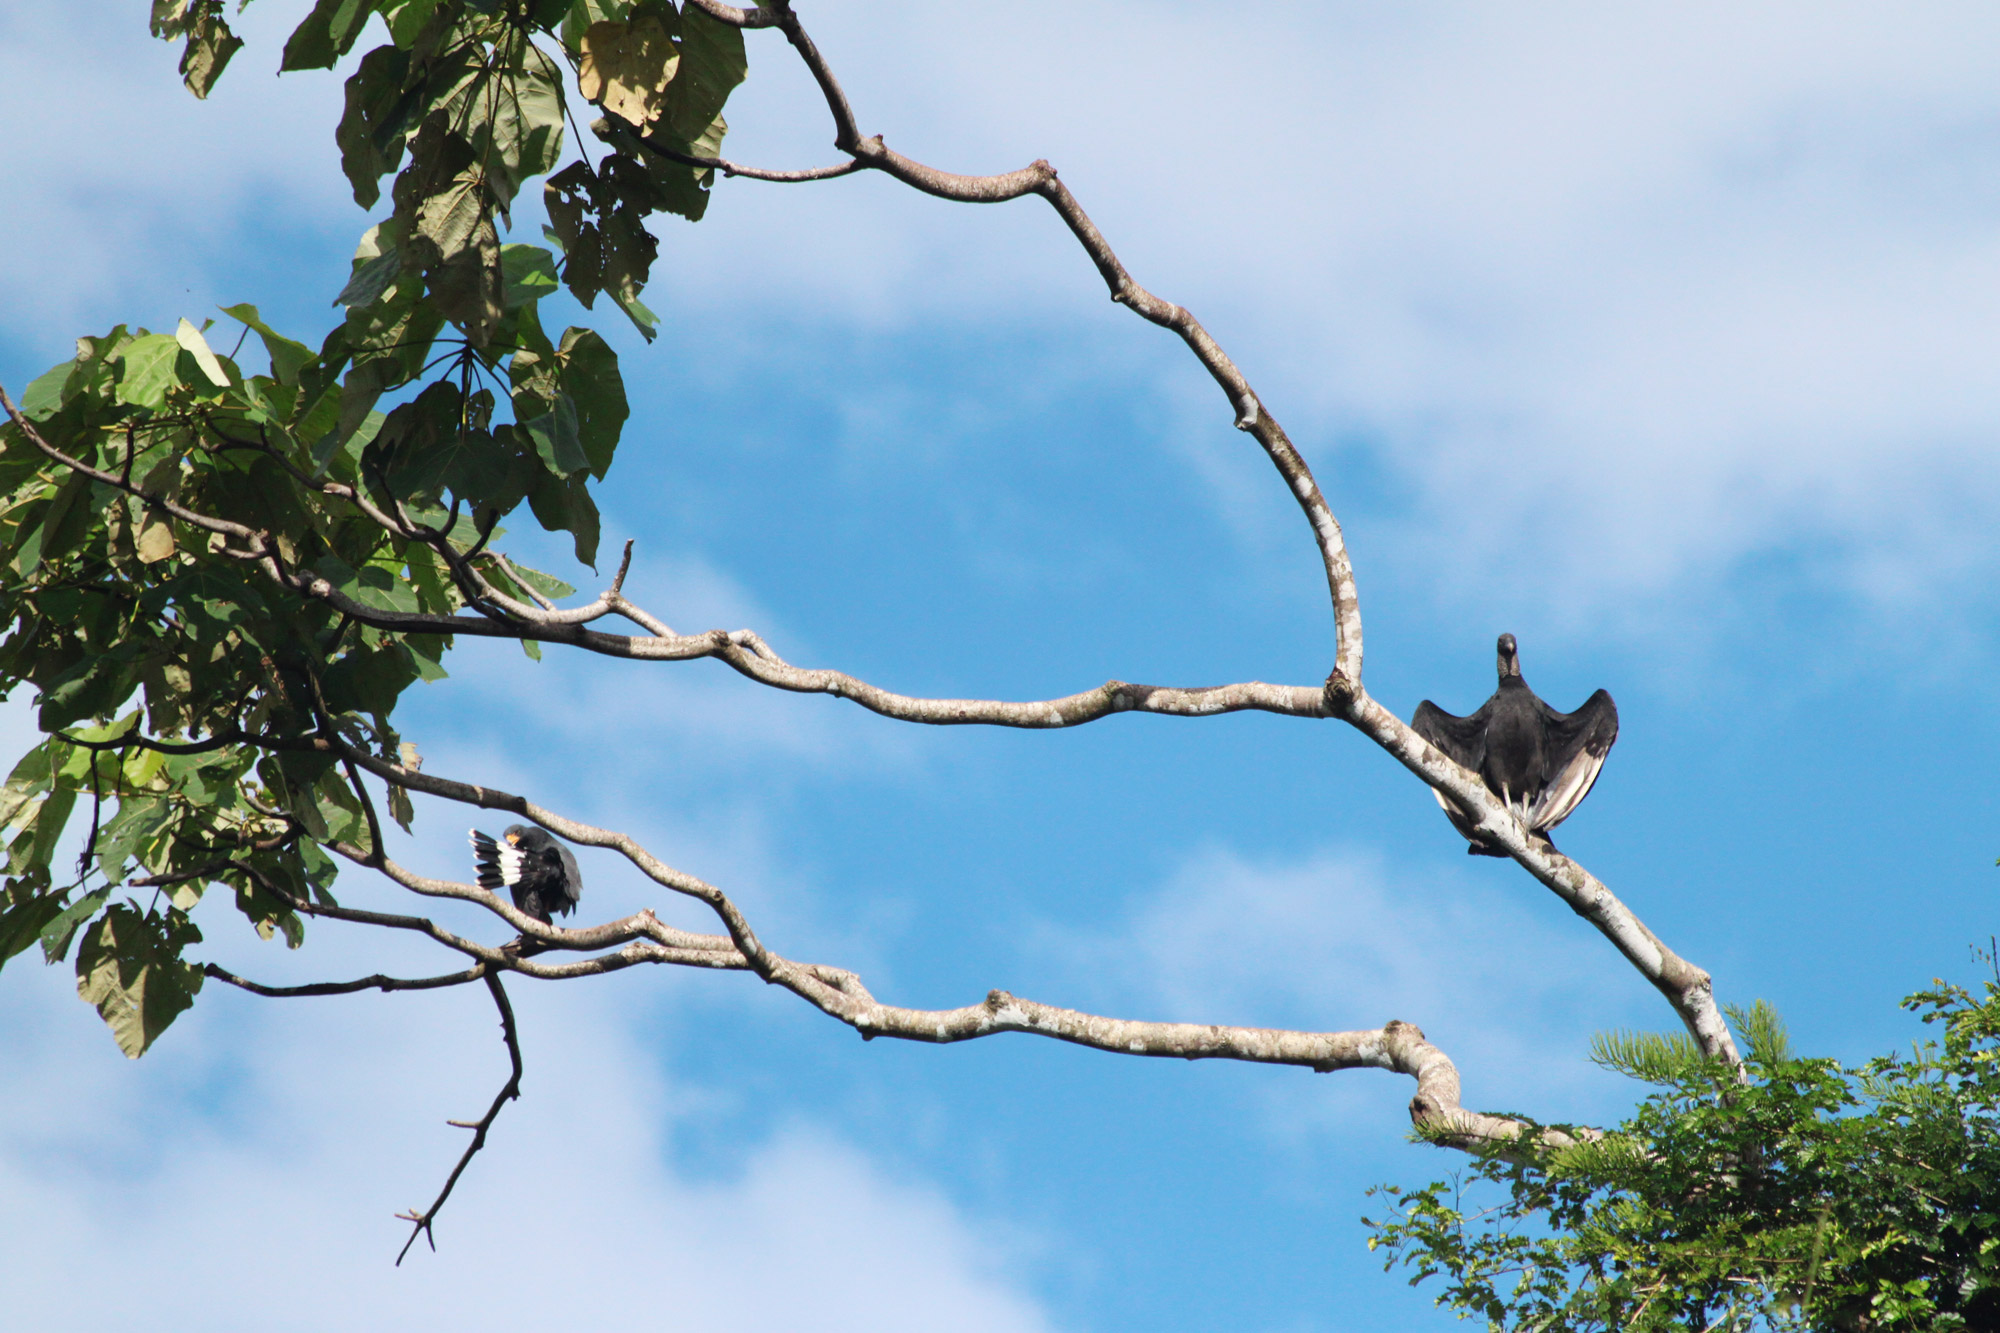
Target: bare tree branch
(742,650)
(620,126)
(422,1222)
(1688,988)
(376,982)
(737,18)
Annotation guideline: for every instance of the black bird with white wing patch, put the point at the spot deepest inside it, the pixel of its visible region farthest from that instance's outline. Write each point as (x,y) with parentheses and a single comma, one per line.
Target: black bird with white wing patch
(532,865)
(1541,763)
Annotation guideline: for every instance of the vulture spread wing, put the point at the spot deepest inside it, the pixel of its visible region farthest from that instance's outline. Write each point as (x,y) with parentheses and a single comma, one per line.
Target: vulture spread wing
(1462,739)
(1577,744)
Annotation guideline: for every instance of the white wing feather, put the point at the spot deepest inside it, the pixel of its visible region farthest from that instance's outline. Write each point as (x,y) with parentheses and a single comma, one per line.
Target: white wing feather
(1561,797)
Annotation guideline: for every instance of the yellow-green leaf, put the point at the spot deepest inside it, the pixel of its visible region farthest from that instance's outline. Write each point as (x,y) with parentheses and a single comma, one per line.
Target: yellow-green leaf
(627,67)
(156,539)
(130,969)
(189,337)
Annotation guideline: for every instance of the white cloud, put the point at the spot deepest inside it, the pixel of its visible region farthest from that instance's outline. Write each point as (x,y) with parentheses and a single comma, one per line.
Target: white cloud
(1340,940)
(129,200)
(1633,295)
(243,1177)
(1636,294)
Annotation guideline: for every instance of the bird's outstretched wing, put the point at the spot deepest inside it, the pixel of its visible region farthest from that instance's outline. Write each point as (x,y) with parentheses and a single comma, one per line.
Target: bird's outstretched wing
(1577,744)
(571,891)
(1461,738)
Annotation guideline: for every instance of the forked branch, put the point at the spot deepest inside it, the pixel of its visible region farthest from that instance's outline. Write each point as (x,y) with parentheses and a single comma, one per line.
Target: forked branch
(1686,987)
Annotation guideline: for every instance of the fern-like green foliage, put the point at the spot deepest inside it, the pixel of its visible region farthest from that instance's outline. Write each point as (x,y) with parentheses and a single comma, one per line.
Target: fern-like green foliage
(1665,1059)
(1662,1059)
(1763,1032)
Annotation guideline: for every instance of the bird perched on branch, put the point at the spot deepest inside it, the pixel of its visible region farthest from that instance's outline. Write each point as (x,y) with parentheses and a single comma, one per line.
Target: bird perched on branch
(538,870)
(1539,762)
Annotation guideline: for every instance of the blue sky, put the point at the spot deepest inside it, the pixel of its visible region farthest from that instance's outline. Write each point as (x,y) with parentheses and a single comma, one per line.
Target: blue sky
(1661,337)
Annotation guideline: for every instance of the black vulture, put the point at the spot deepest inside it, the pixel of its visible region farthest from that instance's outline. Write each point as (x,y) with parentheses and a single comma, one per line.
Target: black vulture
(1541,763)
(538,870)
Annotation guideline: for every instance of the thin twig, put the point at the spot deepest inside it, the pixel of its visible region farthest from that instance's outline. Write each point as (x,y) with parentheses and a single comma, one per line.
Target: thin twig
(423,1221)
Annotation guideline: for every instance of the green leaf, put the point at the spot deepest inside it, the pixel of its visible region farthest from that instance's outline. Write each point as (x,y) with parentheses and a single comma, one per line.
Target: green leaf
(370,681)
(1763,1031)
(49,821)
(209,46)
(62,928)
(681,188)
(30,777)
(191,341)
(169,18)
(440,442)
(62,523)
(372,125)
(389,337)
(590,375)
(443,191)
(47,392)
(1650,1057)
(400,808)
(371,278)
(287,356)
(406,18)
(530,273)
(147,366)
(371,585)
(548,585)
(565,505)
(26,909)
(138,822)
(628,262)
(555,438)
(582,13)
(713,63)
(326,34)
(130,968)
(444,195)
(92,687)
(209,41)
(525,130)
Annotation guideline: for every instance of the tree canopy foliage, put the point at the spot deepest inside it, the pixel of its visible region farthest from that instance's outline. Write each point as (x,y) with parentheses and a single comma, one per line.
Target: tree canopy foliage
(1803,1195)
(217,575)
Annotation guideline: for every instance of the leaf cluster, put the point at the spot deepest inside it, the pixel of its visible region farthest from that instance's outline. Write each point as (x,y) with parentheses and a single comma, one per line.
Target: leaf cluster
(179,535)
(1802,1196)
(184,688)
(466,103)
